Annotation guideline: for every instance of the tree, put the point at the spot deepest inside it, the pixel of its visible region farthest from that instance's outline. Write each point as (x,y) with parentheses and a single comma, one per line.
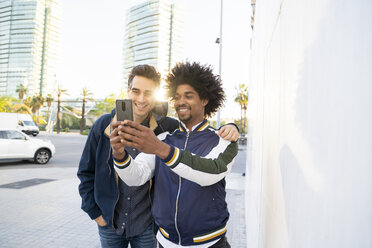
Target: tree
(242,99)
(60,91)
(49,99)
(105,106)
(28,101)
(13,105)
(6,103)
(85,96)
(36,103)
(22,91)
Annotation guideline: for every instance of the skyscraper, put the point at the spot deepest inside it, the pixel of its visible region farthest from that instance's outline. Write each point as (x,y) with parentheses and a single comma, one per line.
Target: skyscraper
(153,35)
(29,35)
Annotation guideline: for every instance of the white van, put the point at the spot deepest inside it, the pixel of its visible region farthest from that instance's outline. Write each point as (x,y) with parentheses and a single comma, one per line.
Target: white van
(22,122)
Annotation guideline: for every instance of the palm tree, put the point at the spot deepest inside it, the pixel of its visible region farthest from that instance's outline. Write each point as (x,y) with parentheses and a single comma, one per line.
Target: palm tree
(60,91)
(86,96)
(242,99)
(37,102)
(28,102)
(49,99)
(22,91)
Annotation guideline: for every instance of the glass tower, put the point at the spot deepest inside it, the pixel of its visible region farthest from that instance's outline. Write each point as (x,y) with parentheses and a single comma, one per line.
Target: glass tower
(153,35)
(29,35)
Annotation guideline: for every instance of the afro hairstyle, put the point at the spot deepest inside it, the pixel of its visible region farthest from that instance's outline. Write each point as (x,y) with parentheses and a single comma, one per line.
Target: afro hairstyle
(202,79)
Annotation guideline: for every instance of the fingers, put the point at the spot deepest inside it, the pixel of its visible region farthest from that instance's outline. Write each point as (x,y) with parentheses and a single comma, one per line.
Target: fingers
(135,125)
(129,130)
(226,135)
(115,124)
(222,132)
(229,133)
(235,137)
(114,133)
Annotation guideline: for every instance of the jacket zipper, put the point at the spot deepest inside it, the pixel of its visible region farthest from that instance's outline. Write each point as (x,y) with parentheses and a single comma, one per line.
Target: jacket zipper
(178,195)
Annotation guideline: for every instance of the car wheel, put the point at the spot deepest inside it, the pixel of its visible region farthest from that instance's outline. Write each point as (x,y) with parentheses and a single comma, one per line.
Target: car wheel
(42,156)
(34,134)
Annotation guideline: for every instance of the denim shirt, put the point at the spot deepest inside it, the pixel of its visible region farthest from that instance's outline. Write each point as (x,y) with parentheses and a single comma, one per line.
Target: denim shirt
(132,213)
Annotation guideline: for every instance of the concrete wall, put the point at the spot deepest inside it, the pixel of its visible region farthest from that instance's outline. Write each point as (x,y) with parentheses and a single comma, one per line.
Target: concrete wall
(309,177)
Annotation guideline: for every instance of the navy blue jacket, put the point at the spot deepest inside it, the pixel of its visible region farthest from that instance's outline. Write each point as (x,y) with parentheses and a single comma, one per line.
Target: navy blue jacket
(98,188)
(189,194)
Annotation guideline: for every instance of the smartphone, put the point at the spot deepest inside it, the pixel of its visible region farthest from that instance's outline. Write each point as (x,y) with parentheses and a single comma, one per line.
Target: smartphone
(161,108)
(124,109)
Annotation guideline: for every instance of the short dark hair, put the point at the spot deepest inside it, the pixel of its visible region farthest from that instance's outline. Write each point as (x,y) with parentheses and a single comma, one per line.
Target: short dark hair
(147,71)
(202,79)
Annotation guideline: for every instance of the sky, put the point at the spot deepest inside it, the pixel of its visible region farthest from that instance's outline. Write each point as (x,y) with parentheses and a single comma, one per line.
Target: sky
(92,34)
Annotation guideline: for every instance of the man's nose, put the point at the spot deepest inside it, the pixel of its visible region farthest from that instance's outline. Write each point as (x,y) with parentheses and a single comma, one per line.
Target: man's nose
(181,100)
(141,97)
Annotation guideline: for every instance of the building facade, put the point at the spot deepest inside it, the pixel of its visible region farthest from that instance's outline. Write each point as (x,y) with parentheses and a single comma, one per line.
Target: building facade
(153,35)
(29,44)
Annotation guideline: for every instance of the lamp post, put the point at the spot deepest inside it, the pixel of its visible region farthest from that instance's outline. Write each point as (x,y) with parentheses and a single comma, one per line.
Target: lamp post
(219,41)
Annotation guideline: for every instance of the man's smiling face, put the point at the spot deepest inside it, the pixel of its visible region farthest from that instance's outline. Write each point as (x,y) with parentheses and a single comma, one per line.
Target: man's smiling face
(142,94)
(189,106)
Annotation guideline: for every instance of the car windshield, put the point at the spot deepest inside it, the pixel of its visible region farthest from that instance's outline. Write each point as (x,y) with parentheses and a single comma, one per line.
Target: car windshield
(29,123)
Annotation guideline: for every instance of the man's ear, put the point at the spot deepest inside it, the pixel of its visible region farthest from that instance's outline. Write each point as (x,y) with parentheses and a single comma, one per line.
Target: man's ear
(128,90)
(204,102)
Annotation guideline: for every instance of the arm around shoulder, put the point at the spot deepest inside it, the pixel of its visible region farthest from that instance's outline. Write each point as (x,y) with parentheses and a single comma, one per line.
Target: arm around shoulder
(202,170)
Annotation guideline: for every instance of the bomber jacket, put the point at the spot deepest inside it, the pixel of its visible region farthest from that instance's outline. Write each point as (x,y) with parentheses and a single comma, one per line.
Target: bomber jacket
(99,188)
(189,194)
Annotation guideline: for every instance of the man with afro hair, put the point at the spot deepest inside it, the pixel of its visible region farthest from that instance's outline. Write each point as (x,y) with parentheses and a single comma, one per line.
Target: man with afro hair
(189,165)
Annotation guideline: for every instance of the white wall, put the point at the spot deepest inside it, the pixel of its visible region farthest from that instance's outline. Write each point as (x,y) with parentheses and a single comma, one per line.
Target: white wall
(309,178)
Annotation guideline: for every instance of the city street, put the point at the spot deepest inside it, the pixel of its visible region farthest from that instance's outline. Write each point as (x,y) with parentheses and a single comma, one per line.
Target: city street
(68,151)
(40,204)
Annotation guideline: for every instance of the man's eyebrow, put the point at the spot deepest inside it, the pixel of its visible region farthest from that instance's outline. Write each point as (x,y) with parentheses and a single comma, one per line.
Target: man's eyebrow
(189,93)
(139,90)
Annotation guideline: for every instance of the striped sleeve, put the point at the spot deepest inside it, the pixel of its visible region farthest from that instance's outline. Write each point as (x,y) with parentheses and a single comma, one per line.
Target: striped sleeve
(203,171)
(136,172)
(123,163)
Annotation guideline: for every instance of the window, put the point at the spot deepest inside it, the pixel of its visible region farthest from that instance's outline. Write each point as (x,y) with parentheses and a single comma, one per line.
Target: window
(29,123)
(14,135)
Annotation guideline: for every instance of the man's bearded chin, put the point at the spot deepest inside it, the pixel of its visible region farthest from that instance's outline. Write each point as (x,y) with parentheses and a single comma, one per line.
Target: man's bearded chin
(185,119)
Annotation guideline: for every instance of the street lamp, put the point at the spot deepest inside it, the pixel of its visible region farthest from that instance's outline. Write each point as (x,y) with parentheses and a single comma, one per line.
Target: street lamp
(219,41)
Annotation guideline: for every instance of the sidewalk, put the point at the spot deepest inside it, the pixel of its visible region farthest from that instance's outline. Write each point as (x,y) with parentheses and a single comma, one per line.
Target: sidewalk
(49,215)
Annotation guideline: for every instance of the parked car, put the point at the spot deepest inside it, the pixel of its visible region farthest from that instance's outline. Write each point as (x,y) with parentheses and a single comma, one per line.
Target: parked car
(15,144)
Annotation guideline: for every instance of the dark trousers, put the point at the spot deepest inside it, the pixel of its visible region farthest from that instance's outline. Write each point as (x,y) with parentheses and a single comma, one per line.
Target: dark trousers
(222,243)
